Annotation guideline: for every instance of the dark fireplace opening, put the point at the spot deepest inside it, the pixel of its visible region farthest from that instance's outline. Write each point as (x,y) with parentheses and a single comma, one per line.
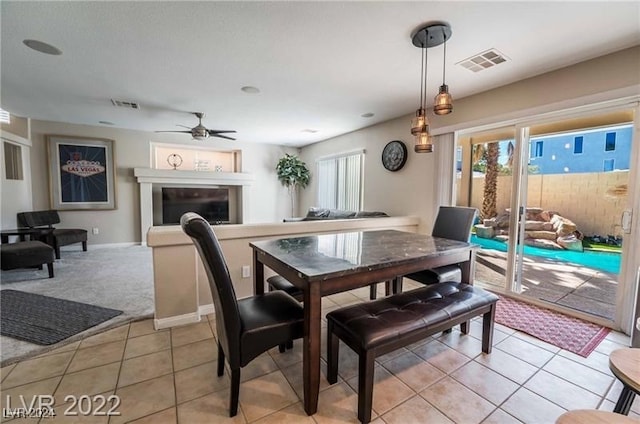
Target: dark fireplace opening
(210,203)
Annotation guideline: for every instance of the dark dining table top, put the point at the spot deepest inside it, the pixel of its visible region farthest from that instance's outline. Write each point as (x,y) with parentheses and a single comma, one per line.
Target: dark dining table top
(324,256)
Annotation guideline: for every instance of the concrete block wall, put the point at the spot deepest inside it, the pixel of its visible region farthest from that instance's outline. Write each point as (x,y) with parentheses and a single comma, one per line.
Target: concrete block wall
(581,198)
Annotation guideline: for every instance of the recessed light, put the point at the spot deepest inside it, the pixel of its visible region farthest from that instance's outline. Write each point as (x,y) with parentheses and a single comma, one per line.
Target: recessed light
(310,131)
(106,123)
(41,47)
(368,115)
(250,90)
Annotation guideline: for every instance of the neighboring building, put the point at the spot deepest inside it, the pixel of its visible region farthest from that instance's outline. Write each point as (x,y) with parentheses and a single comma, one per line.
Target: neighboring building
(601,150)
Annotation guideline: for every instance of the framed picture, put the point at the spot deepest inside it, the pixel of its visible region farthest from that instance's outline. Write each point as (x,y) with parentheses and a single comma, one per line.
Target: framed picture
(81,172)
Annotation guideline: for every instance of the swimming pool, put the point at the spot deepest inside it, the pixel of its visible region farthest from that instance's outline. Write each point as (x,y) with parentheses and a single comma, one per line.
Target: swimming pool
(605,261)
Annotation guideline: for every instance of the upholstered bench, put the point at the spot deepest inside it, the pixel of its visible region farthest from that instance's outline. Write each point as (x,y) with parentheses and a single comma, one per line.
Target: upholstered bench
(57,236)
(27,254)
(375,328)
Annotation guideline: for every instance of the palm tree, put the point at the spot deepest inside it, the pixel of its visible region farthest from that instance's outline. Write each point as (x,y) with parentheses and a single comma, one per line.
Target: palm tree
(489,201)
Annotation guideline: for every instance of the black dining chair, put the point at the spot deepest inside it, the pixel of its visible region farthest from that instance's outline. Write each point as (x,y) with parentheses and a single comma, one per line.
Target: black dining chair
(246,327)
(454,223)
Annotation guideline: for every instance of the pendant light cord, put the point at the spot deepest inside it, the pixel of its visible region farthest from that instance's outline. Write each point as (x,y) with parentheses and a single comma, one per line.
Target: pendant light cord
(444,61)
(422,78)
(424,95)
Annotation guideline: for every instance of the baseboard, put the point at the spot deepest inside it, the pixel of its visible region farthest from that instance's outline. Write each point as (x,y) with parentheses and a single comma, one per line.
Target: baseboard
(78,246)
(190,318)
(206,309)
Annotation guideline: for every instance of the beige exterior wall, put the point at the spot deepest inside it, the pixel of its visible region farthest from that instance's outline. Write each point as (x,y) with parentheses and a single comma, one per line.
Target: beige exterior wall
(581,198)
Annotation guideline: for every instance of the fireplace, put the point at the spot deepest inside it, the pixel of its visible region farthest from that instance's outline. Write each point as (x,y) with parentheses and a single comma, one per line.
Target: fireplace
(216,204)
(153,180)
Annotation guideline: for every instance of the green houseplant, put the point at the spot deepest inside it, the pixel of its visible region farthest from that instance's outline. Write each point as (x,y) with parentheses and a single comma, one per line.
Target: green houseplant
(292,173)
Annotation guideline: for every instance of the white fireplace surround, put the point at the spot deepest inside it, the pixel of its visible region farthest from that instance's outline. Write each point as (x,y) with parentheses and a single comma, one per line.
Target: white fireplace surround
(147,177)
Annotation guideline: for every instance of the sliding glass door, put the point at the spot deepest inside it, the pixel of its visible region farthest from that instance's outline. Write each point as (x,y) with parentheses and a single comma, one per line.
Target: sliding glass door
(555,200)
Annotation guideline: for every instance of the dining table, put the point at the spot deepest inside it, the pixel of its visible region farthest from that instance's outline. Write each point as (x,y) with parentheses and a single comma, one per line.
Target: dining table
(325,264)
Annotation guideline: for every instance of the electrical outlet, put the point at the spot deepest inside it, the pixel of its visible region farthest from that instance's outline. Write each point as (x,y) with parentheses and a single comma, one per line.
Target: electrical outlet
(95,231)
(246,271)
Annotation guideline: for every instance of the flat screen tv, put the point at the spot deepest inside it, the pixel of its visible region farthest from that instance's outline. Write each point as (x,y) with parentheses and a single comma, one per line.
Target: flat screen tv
(210,203)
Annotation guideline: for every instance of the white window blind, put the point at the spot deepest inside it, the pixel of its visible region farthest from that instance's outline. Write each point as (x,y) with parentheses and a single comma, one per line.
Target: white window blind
(340,181)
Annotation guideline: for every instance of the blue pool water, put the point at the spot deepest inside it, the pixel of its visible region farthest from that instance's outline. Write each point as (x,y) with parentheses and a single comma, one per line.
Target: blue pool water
(605,261)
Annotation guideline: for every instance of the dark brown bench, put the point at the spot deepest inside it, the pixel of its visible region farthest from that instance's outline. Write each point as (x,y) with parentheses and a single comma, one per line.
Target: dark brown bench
(57,236)
(375,328)
(26,254)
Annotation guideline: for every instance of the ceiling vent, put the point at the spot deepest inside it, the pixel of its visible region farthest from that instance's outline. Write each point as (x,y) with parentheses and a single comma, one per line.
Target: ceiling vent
(124,103)
(483,60)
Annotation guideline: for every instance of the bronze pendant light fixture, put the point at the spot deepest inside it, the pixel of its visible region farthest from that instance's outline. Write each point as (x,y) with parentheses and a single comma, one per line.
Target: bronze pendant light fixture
(427,36)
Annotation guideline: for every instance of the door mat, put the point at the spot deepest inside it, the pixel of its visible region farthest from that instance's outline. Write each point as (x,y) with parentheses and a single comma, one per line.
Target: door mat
(46,320)
(569,333)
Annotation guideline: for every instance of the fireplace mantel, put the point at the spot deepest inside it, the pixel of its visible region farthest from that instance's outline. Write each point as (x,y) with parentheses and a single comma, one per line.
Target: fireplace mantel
(169,176)
(147,177)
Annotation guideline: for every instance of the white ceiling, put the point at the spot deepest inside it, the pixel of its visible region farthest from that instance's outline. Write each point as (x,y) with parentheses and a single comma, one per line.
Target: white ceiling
(318,65)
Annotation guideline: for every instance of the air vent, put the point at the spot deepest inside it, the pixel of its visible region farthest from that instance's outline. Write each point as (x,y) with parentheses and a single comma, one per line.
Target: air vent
(483,60)
(124,103)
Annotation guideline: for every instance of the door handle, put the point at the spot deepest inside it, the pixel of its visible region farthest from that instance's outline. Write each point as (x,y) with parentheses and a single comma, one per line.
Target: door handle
(627,217)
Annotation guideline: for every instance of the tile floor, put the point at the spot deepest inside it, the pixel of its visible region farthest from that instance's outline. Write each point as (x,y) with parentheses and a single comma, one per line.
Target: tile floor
(169,376)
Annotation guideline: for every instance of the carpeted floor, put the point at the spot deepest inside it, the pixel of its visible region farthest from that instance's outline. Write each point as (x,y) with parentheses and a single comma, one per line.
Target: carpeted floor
(573,334)
(118,278)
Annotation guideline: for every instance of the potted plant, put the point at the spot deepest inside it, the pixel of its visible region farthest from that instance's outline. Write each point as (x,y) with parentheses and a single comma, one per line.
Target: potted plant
(292,173)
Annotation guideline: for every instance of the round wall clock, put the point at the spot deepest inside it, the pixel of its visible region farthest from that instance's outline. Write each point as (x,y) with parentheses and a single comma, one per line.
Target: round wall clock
(394,155)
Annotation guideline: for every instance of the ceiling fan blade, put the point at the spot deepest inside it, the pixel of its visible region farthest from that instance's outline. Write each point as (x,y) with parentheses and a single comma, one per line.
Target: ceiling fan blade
(222,136)
(186,132)
(183,126)
(220,131)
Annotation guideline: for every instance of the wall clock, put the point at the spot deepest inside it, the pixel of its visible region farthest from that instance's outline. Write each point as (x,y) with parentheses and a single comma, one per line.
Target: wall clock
(394,155)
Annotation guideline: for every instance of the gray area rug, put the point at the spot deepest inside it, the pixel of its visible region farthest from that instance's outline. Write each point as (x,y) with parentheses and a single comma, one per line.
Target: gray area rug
(47,320)
(114,277)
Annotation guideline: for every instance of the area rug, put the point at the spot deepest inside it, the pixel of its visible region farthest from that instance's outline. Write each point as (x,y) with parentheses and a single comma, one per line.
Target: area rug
(573,334)
(46,320)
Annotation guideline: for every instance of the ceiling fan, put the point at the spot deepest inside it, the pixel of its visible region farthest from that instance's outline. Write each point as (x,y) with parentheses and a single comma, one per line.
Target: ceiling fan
(200,132)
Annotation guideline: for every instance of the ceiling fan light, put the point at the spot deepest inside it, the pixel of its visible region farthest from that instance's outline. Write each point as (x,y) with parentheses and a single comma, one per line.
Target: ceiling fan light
(443,103)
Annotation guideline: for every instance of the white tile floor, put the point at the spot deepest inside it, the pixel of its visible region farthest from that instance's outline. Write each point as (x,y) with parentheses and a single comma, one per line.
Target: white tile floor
(169,377)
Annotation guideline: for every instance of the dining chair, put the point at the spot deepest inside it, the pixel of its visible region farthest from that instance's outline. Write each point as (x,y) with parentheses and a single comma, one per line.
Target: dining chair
(454,223)
(248,327)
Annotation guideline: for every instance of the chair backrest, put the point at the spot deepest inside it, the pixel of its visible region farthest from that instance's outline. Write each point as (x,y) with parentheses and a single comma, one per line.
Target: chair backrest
(38,218)
(454,222)
(228,323)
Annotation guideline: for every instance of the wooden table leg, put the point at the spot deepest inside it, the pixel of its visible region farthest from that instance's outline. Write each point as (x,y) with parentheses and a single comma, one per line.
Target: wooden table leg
(311,349)
(468,274)
(258,274)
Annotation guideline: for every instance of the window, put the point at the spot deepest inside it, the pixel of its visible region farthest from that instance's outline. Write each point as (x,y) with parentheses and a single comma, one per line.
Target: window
(610,142)
(608,165)
(13,161)
(5,118)
(536,149)
(577,144)
(340,181)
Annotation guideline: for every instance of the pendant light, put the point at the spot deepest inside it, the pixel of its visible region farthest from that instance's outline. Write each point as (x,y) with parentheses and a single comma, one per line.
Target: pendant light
(420,124)
(443,103)
(425,37)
